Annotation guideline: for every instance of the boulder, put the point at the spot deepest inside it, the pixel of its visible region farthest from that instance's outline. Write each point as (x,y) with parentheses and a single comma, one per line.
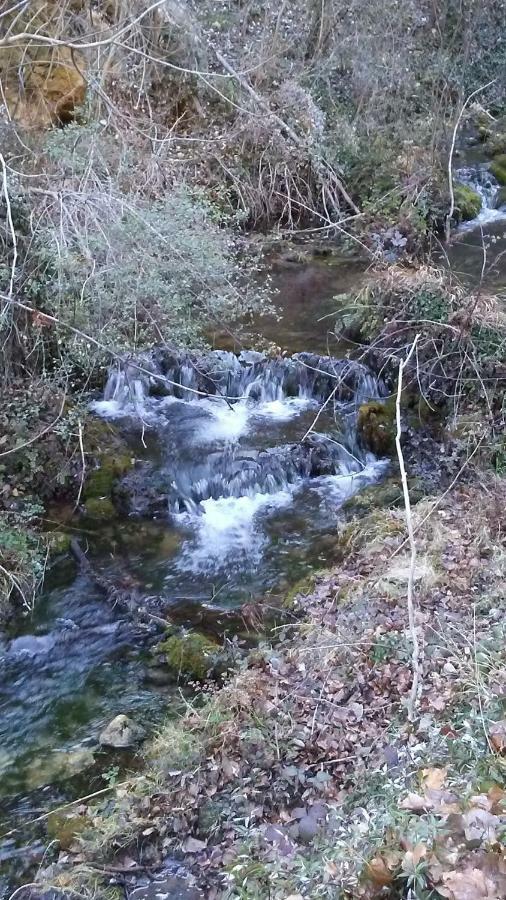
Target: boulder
(121,733)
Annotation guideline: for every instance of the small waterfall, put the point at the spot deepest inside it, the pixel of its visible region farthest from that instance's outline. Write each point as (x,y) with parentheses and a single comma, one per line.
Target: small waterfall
(213,413)
(481,180)
(249,376)
(235,472)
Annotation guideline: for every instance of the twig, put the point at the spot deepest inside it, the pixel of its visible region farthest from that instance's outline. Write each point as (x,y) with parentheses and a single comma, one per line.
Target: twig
(452,150)
(83,464)
(415,656)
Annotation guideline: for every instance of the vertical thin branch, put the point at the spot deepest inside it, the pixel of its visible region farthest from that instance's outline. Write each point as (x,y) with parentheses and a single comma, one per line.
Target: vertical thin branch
(415,656)
(10,224)
(452,150)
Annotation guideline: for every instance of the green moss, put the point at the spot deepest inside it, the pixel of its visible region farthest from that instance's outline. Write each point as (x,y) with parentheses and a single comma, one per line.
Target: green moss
(64,827)
(100,508)
(498,168)
(376,426)
(467,202)
(303,586)
(59,542)
(100,481)
(192,654)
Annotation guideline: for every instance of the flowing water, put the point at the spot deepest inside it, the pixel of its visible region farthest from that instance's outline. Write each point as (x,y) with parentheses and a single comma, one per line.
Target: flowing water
(243,464)
(478,247)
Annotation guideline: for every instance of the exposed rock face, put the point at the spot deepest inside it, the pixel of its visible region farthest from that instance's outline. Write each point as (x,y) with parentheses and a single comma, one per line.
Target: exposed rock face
(54,85)
(121,733)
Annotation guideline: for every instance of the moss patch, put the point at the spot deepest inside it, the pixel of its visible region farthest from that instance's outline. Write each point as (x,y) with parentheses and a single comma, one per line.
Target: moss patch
(100,482)
(376,426)
(467,202)
(498,168)
(101,508)
(191,655)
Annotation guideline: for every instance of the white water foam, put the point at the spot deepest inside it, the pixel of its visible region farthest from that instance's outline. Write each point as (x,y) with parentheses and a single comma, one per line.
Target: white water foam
(336,489)
(481,180)
(227,423)
(227,533)
(108,409)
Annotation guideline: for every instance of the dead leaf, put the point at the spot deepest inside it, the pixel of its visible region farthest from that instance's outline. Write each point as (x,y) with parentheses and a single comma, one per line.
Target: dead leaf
(471,884)
(433,779)
(415,803)
(378,872)
(497,733)
(480,827)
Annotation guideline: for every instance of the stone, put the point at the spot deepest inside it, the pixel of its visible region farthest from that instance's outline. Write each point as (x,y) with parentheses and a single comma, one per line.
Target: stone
(121,733)
(57,767)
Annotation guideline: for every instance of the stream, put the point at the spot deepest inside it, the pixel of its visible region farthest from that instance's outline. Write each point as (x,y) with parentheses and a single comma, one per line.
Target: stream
(225,505)
(243,464)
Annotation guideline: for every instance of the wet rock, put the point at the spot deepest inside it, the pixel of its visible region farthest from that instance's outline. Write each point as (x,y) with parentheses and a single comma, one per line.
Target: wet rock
(121,733)
(32,645)
(58,767)
(158,676)
(191,654)
(169,888)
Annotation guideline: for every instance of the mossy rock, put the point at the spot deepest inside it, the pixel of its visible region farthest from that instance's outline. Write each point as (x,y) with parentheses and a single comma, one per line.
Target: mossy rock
(467,202)
(498,168)
(376,426)
(100,508)
(501,196)
(100,481)
(192,655)
(496,144)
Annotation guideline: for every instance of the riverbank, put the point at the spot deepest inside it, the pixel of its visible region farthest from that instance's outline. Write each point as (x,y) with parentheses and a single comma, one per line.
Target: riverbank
(302,774)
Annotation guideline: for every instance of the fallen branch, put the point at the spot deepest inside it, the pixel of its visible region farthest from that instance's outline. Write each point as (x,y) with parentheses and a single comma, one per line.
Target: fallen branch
(415,656)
